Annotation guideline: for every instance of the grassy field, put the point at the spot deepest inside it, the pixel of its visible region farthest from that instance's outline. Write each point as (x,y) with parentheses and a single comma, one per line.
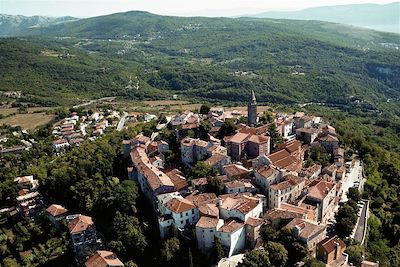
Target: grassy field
(8,111)
(28,121)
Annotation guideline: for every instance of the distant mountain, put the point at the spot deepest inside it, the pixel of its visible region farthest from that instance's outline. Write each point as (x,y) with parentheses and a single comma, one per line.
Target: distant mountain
(374,16)
(11,25)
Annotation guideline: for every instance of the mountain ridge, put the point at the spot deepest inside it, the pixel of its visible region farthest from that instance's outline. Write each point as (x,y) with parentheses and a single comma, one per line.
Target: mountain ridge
(373,16)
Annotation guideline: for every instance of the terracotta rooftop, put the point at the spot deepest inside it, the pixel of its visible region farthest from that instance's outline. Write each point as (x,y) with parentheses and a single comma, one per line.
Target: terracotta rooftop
(274,214)
(230,226)
(215,158)
(207,222)
(202,198)
(259,139)
(243,204)
(267,171)
(56,210)
(235,170)
(179,205)
(290,180)
(177,179)
(252,221)
(154,176)
(237,138)
(238,183)
(330,243)
(103,258)
(308,229)
(210,210)
(199,181)
(328,138)
(80,224)
(319,189)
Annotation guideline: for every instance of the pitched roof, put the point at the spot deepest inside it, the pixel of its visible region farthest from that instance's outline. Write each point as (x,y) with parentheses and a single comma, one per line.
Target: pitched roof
(209,209)
(319,189)
(103,258)
(153,175)
(235,170)
(277,213)
(267,171)
(330,243)
(237,138)
(252,221)
(243,203)
(177,179)
(79,224)
(207,222)
(56,210)
(290,180)
(202,198)
(215,158)
(307,228)
(238,183)
(179,205)
(329,138)
(259,139)
(230,226)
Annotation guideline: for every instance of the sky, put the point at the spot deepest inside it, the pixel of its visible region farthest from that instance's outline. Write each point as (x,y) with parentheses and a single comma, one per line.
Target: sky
(91,8)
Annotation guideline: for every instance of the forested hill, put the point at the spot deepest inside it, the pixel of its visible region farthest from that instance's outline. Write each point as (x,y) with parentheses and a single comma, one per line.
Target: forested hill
(131,24)
(223,59)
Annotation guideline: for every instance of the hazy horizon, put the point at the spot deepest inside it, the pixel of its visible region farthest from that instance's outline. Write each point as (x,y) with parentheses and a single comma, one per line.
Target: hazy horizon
(91,8)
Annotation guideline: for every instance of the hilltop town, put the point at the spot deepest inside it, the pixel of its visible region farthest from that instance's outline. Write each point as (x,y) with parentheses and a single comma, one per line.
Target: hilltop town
(230,177)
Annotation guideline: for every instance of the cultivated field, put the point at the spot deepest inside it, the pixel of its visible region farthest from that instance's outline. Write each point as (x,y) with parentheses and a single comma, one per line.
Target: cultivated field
(8,111)
(28,121)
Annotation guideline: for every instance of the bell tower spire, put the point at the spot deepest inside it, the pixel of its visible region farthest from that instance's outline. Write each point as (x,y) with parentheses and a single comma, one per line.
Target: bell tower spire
(252,110)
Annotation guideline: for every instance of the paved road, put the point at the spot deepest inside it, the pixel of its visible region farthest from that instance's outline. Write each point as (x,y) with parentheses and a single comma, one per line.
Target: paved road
(350,178)
(122,121)
(362,224)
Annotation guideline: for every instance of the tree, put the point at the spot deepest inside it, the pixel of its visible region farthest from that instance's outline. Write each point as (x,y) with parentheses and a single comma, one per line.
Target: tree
(355,254)
(255,258)
(218,249)
(228,128)
(205,127)
(204,109)
(127,230)
(202,169)
(277,253)
(313,262)
(215,185)
(346,219)
(268,233)
(267,117)
(169,248)
(276,137)
(354,194)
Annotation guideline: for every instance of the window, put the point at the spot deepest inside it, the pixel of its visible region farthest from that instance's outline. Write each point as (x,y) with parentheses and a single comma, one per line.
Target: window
(193,211)
(181,215)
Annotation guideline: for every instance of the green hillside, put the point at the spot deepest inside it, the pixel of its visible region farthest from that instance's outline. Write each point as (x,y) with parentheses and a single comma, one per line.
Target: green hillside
(222,59)
(49,74)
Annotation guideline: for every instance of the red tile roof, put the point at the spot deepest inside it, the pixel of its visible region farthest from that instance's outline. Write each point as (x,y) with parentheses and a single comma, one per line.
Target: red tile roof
(207,222)
(179,205)
(80,224)
(56,210)
(103,258)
